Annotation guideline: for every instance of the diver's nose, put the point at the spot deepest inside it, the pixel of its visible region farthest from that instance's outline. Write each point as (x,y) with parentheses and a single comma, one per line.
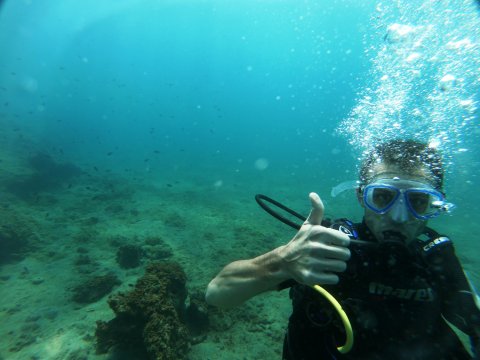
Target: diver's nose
(399,212)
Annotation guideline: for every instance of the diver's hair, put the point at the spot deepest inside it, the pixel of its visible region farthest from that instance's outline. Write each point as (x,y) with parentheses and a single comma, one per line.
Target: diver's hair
(408,155)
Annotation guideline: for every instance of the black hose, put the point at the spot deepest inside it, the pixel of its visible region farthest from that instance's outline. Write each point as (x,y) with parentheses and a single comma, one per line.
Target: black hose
(261,199)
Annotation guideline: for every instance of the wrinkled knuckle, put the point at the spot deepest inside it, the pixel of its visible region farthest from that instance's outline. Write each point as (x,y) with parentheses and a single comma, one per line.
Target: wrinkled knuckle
(305,274)
(309,278)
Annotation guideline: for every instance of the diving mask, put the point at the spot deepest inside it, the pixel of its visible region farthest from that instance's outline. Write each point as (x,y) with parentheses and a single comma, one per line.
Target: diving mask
(400,197)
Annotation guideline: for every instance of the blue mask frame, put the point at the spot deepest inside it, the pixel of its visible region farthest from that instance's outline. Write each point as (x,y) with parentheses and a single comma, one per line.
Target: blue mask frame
(436,205)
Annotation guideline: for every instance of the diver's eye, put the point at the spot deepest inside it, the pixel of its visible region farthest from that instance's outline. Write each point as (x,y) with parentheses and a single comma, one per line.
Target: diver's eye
(419,201)
(382,197)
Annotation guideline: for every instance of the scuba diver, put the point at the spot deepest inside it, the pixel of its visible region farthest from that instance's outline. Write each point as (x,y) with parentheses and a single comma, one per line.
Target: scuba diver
(386,288)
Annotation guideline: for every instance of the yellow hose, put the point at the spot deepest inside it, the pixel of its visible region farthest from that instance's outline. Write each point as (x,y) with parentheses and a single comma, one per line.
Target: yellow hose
(346,322)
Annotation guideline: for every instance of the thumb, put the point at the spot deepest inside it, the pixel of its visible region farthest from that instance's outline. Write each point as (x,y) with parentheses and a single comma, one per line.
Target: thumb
(316,214)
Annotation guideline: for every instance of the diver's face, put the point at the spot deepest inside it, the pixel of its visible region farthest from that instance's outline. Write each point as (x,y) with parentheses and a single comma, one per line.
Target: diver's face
(398,223)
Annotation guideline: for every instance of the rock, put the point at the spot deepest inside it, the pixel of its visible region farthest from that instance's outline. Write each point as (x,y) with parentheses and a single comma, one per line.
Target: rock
(93,289)
(149,320)
(129,256)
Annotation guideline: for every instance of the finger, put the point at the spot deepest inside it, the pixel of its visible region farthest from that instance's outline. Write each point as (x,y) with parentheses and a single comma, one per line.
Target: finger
(311,278)
(329,236)
(328,279)
(328,265)
(330,252)
(316,214)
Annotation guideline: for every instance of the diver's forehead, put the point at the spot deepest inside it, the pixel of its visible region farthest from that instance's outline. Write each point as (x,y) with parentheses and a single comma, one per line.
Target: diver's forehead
(389,171)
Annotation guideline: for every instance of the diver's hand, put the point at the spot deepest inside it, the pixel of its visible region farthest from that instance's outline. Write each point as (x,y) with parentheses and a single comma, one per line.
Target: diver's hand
(316,253)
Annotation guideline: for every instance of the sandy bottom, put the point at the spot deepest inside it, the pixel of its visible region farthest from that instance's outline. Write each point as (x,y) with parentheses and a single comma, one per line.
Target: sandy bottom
(75,230)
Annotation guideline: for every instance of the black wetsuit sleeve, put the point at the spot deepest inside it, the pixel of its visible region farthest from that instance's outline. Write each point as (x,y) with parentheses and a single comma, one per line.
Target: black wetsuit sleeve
(475,339)
(459,301)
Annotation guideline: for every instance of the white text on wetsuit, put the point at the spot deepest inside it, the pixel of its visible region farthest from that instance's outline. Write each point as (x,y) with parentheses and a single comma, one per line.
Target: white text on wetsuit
(406,294)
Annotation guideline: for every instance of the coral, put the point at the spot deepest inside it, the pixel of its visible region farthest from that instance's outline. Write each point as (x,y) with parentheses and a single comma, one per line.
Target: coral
(156,248)
(129,256)
(149,319)
(93,289)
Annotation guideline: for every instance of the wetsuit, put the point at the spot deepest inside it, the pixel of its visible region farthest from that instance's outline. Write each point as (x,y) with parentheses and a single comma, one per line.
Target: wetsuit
(396,298)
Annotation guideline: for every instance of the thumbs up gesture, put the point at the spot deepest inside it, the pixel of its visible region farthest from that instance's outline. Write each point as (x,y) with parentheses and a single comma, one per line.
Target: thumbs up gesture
(316,254)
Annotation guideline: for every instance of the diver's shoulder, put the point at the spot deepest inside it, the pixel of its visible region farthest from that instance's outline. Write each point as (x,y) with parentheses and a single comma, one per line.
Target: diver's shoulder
(433,243)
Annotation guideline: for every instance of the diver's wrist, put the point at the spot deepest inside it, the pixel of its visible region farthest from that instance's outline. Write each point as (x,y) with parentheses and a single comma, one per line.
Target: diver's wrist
(271,267)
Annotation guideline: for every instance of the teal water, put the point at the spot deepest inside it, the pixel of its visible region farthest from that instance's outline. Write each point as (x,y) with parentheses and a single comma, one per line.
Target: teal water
(189,108)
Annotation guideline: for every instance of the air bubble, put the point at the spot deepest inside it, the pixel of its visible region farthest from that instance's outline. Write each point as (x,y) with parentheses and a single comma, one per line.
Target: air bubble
(447,82)
(261,164)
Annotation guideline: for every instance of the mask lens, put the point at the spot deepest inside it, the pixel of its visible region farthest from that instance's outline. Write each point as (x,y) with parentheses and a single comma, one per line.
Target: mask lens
(380,198)
(421,201)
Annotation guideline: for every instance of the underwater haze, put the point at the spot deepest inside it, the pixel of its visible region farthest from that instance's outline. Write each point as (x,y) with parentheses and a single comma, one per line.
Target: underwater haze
(136,132)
